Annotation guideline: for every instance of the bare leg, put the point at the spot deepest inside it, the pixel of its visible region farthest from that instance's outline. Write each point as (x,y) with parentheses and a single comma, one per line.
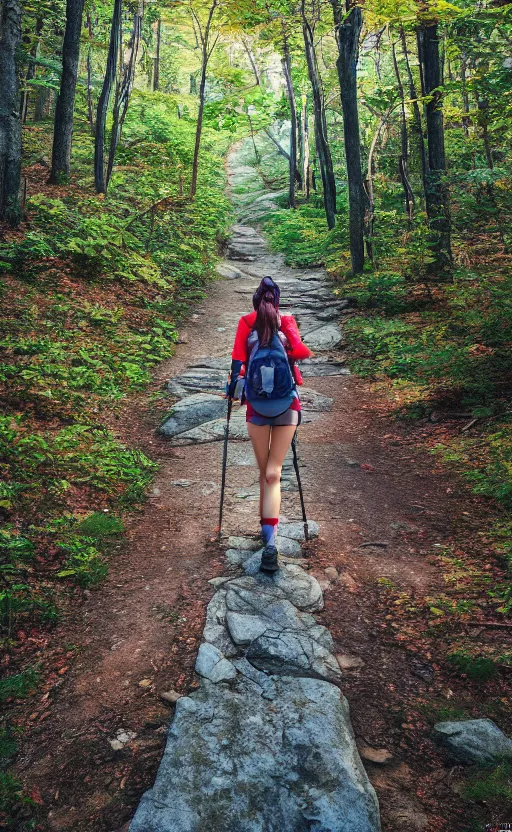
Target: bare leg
(260,438)
(280,440)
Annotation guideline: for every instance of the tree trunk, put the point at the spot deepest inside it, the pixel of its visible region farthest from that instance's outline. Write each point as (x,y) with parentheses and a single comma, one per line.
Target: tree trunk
(417,122)
(156,70)
(10,121)
(438,203)
(31,71)
(43,105)
(306,168)
(199,127)
(254,65)
(64,109)
(322,145)
(348,28)
(466,121)
(404,143)
(292,161)
(90,103)
(101,114)
(206,53)
(123,92)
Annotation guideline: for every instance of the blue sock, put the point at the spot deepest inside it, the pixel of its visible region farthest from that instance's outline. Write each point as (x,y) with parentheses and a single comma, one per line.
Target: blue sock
(269,530)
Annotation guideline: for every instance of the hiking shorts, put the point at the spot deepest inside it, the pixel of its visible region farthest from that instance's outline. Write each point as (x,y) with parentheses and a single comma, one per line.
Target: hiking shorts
(289,417)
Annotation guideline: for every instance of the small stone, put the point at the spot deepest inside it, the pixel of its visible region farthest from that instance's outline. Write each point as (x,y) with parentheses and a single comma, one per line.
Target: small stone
(348,581)
(145,683)
(332,573)
(181,483)
(375,755)
(116,745)
(171,696)
(349,662)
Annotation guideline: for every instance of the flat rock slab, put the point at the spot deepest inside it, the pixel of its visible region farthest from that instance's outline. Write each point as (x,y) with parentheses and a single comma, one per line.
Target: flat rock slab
(198,380)
(322,367)
(214,431)
(236,761)
(192,411)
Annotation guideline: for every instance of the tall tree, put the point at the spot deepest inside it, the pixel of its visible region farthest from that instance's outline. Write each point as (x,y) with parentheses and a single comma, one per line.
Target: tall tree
(321,140)
(31,68)
(156,68)
(403,160)
(64,109)
(348,26)
(438,200)
(292,161)
(108,82)
(10,121)
(208,44)
(123,90)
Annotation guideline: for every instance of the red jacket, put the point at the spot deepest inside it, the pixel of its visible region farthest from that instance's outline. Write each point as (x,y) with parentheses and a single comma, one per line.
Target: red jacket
(297,350)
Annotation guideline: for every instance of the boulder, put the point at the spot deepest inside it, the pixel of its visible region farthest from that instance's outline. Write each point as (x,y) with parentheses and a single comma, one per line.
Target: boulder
(326,337)
(236,761)
(192,411)
(474,741)
(227,271)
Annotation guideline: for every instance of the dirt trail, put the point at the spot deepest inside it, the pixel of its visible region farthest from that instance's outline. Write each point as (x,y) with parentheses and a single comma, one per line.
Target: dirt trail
(138,634)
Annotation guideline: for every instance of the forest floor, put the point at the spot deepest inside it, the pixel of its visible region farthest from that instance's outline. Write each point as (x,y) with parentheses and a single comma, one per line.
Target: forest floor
(387,510)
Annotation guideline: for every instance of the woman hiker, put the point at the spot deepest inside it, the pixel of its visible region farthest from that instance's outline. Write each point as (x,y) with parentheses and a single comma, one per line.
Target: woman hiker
(267,344)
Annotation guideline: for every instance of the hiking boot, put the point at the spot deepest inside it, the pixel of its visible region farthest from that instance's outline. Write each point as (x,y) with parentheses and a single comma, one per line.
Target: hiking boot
(269,559)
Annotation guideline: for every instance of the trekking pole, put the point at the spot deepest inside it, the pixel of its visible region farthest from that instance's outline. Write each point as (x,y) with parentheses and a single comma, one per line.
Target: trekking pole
(301,495)
(224,463)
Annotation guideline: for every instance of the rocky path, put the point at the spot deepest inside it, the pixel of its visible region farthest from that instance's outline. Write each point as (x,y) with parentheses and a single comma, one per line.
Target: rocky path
(266,742)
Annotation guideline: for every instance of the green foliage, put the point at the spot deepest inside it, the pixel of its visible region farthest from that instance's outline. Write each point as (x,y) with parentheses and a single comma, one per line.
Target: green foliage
(486,784)
(476,668)
(18,685)
(100,524)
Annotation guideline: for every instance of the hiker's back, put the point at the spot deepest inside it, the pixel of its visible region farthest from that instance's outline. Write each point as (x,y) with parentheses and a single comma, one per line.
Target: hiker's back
(269,385)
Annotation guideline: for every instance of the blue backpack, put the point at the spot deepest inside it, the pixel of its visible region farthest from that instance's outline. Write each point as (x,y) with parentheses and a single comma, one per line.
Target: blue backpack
(269,383)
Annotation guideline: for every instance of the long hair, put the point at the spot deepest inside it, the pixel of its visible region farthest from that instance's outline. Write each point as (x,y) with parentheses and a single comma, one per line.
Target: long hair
(266,303)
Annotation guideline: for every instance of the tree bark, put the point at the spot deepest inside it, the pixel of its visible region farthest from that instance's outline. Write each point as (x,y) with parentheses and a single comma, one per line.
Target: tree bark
(306,167)
(123,92)
(206,53)
(101,113)
(438,201)
(321,141)
(156,70)
(10,121)
(292,160)
(64,109)
(404,143)
(90,103)
(348,28)
(31,71)
(466,121)
(417,121)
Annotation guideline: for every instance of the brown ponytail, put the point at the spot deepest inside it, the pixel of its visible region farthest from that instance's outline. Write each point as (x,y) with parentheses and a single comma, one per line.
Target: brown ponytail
(267,319)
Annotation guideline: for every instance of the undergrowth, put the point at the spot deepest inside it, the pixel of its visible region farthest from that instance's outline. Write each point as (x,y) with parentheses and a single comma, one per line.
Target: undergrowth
(94,291)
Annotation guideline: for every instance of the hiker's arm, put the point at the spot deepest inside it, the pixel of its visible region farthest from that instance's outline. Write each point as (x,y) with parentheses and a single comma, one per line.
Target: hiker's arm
(239,352)
(298,350)
(238,356)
